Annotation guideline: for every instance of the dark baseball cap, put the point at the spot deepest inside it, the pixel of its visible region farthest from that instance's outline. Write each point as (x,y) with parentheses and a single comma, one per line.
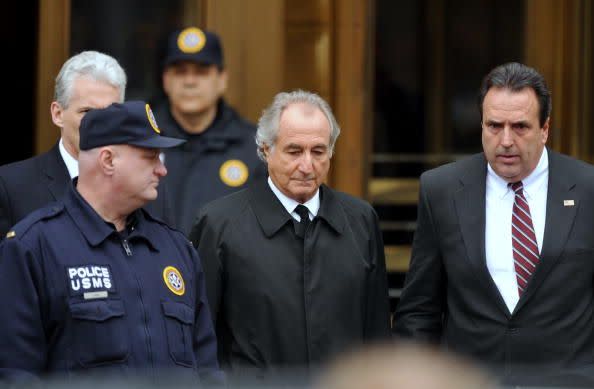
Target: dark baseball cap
(131,123)
(194,45)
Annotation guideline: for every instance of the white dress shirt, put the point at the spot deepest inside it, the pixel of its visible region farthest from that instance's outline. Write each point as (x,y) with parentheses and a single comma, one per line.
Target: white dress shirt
(71,163)
(498,235)
(312,205)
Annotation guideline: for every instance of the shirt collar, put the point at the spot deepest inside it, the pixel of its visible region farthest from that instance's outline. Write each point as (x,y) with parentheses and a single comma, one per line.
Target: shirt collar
(538,179)
(532,184)
(272,215)
(312,205)
(71,163)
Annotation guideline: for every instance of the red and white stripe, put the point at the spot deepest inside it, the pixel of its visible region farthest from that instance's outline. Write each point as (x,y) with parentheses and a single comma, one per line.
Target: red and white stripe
(525,248)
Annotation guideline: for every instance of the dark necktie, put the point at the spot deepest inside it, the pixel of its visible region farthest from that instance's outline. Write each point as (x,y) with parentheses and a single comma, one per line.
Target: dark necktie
(524,245)
(304,223)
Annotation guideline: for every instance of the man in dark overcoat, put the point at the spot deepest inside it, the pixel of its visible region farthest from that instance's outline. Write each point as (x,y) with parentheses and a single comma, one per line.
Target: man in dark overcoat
(295,270)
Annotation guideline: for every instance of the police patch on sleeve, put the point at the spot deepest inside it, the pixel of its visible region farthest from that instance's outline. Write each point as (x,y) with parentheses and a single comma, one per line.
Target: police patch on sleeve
(92,281)
(191,40)
(234,172)
(174,281)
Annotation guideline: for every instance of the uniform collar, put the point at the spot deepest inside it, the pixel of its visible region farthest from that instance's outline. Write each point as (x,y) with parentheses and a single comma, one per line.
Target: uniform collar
(94,228)
(218,129)
(217,135)
(272,215)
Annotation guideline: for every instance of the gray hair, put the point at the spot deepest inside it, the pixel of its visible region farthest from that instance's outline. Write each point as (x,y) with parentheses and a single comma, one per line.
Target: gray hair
(269,123)
(93,64)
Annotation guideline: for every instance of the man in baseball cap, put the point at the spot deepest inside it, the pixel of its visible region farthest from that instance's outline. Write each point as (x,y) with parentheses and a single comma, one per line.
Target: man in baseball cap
(120,145)
(99,281)
(194,45)
(219,157)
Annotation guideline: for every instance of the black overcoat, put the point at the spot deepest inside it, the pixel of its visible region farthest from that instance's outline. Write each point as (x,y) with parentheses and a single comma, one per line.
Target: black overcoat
(281,301)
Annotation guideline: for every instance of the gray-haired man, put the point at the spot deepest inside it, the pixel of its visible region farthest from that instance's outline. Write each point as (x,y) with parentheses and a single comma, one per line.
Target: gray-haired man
(295,271)
(87,80)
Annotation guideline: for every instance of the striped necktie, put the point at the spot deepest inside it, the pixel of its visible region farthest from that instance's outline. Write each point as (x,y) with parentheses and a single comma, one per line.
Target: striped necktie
(525,248)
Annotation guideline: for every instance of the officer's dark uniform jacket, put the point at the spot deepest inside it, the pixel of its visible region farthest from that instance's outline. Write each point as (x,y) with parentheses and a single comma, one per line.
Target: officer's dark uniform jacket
(79,296)
(217,162)
(282,301)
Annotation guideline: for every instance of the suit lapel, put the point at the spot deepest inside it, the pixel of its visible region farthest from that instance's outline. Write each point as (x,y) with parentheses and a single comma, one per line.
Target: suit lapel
(471,209)
(558,223)
(55,173)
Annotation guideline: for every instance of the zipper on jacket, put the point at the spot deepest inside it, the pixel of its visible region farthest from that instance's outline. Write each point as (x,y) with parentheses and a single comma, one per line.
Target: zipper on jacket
(126,247)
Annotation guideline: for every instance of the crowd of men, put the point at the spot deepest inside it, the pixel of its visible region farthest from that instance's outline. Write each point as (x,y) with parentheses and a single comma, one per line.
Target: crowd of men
(183,241)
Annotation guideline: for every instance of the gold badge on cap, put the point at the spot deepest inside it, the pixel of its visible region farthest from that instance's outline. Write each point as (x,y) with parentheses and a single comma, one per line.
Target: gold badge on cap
(151,119)
(191,40)
(234,172)
(10,234)
(174,280)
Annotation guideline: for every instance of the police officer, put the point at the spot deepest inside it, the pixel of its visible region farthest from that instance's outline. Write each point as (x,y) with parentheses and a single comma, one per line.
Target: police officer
(218,157)
(94,281)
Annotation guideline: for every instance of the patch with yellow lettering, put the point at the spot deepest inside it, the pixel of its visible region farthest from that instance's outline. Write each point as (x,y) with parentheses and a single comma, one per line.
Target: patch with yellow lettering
(174,280)
(234,172)
(191,40)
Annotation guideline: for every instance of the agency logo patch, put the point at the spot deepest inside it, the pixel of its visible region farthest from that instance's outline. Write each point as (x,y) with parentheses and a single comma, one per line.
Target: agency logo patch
(191,40)
(151,118)
(234,172)
(174,280)
(90,280)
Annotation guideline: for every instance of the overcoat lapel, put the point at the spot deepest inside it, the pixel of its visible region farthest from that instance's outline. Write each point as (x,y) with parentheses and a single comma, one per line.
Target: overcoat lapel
(269,211)
(471,210)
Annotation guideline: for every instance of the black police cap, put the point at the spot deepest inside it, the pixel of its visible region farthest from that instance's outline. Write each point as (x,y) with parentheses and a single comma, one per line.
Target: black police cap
(194,45)
(131,123)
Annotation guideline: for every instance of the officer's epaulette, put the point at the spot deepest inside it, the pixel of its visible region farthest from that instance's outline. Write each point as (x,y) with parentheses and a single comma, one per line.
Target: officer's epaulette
(33,218)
